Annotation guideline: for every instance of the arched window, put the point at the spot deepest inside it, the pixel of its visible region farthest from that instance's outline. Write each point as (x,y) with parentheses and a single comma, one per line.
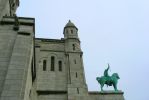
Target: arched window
(73,45)
(52,63)
(60,65)
(44,65)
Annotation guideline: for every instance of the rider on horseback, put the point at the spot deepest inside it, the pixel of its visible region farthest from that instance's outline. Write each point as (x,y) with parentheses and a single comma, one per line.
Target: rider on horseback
(106,71)
(108,80)
(107,76)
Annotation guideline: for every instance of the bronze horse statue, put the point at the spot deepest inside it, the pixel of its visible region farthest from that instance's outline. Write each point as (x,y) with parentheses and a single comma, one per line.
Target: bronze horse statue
(108,80)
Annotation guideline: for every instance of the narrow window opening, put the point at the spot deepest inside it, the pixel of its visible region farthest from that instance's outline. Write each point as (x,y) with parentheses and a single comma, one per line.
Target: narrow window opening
(76,74)
(30,93)
(60,65)
(72,31)
(78,90)
(52,63)
(44,65)
(75,62)
(66,31)
(73,45)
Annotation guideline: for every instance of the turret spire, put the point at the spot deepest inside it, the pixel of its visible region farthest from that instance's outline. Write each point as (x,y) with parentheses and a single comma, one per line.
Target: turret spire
(70,30)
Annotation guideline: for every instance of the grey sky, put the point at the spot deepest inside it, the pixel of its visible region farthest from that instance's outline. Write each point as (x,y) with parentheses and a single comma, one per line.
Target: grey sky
(111,31)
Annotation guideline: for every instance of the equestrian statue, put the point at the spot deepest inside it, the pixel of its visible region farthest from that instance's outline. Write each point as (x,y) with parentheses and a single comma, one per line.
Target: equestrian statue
(108,80)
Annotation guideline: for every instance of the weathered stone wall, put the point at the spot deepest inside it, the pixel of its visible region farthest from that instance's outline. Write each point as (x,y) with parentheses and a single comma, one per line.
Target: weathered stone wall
(7,41)
(76,72)
(52,46)
(18,45)
(51,80)
(33,93)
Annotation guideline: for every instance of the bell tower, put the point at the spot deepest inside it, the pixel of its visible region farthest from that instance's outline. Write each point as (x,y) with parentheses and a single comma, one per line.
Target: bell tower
(74,62)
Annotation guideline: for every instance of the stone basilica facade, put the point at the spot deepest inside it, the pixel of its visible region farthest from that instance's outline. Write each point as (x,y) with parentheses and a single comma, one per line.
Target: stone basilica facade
(41,69)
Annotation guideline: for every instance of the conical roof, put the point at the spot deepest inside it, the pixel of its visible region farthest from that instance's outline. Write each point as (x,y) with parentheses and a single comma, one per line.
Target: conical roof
(70,24)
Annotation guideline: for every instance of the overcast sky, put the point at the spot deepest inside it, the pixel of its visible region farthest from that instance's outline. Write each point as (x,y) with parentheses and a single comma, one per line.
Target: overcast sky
(111,31)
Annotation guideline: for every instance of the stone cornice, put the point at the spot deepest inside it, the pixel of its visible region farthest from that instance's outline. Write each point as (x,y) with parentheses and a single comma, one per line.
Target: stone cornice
(50,40)
(22,21)
(105,92)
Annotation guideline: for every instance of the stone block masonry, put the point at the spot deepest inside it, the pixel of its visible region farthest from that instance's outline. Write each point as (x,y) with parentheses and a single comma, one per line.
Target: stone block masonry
(16,58)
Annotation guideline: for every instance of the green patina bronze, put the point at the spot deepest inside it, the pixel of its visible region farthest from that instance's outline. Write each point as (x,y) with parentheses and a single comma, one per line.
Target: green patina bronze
(108,80)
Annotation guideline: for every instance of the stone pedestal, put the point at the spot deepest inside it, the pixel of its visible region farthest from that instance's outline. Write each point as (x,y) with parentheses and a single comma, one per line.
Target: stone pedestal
(106,95)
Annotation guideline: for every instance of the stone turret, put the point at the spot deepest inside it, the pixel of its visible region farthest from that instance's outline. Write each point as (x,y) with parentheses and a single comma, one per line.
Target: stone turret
(72,42)
(76,78)
(70,30)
